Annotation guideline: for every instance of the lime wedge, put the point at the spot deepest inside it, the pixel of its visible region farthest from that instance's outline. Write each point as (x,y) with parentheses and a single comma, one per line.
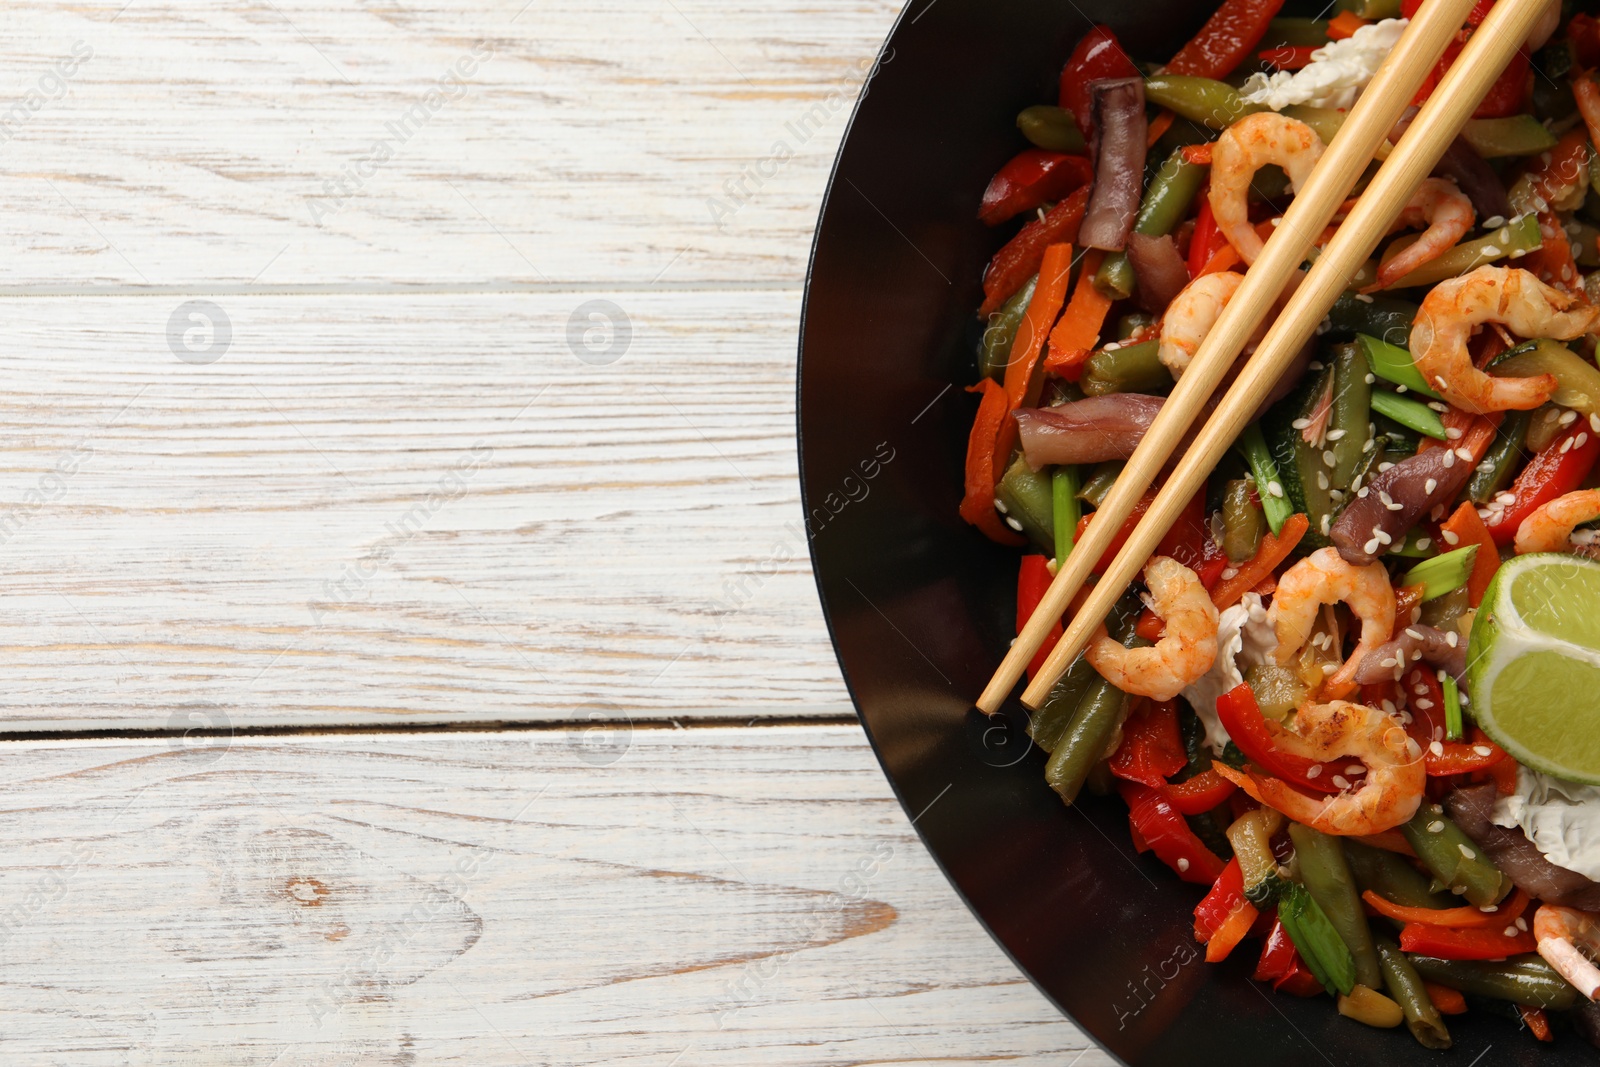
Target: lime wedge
(1533,664)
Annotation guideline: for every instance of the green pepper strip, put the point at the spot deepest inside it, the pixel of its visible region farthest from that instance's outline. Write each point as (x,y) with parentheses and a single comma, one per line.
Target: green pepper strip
(1126,369)
(1348,418)
(1166,202)
(1520,235)
(1525,980)
(1204,100)
(1392,878)
(1502,460)
(994,352)
(1026,494)
(1394,364)
(1055,715)
(1453,858)
(1326,874)
(1519,135)
(1405,988)
(1384,317)
(1577,380)
(1242,522)
(1265,471)
(1052,128)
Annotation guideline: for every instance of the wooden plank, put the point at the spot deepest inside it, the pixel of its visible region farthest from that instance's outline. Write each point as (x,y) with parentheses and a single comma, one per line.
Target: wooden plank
(706,896)
(371,509)
(440,142)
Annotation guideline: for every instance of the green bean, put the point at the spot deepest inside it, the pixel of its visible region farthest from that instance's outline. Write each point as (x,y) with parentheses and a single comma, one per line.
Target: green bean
(1406,989)
(1278,690)
(1265,471)
(1166,201)
(1051,127)
(1126,369)
(1519,235)
(1065,511)
(1346,433)
(1519,135)
(1384,317)
(1295,33)
(1204,100)
(1099,482)
(1325,873)
(1326,121)
(1025,493)
(1501,461)
(1525,980)
(1394,364)
(1392,878)
(1051,720)
(1453,858)
(994,352)
(1133,322)
(1243,522)
(1407,412)
(1577,380)
(1084,741)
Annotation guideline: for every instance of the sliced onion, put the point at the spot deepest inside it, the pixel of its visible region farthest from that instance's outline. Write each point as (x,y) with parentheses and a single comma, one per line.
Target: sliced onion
(1086,431)
(1473,810)
(1118,151)
(1161,272)
(1394,500)
(1436,649)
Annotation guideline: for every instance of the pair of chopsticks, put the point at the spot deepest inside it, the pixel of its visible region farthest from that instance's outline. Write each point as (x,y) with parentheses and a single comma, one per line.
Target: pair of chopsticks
(1369,123)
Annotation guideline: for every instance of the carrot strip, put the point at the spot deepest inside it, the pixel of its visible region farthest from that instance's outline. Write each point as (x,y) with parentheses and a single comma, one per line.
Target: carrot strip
(1537,1021)
(1022,383)
(1231,932)
(1273,551)
(1448,1001)
(1198,153)
(1221,260)
(1079,329)
(1345,24)
(1459,918)
(1467,527)
(977,506)
(1158,126)
(1406,599)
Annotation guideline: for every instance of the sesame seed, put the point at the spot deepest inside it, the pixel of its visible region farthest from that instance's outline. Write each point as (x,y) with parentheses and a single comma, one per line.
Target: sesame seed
(1336,495)
(1334,435)
(1494,222)
(1568,418)
(1413,633)
(1401,389)
(1371,547)
(1301,424)
(1435,747)
(1594,422)
(1451,538)
(1385,467)
(1414,750)
(1452,638)
(1362,492)
(1340,781)
(1355,770)
(1384,537)
(1505,498)
(1434,405)
(1000,505)
(1013,523)
(1314,365)
(1436,827)
(1448,459)
(1326,524)
(1387,661)
(1322,480)
(1511,931)
(1416,655)
(1364,298)
(1329,459)
(1371,378)
(1452,433)
(1275,490)
(1424,704)
(1329,668)
(1313,770)
(1395,507)
(1580,440)
(1230,573)
(1483,750)
(1521,924)
(1492,250)
(1489,909)
(1467,852)
(1183,864)
(1463,455)
(1424,543)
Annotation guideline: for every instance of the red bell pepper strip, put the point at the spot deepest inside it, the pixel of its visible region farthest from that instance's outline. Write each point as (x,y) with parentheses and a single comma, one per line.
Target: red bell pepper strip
(1224,916)
(1345,24)
(1033,578)
(1257,739)
(1098,55)
(1281,965)
(1122,535)
(1151,749)
(1406,600)
(1505,96)
(1458,918)
(1479,943)
(977,506)
(1479,12)
(1161,827)
(1274,550)
(1425,701)
(1023,380)
(1200,794)
(1019,259)
(1227,38)
(1558,470)
(1030,180)
(1467,527)
(1504,777)
(1207,240)
(1288,57)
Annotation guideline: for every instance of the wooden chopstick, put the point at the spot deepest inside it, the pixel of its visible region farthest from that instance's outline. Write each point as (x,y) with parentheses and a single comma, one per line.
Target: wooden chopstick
(1313,207)
(1424,142)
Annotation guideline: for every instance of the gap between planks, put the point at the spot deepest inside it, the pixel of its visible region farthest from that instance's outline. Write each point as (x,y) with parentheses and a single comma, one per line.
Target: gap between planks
(486,288)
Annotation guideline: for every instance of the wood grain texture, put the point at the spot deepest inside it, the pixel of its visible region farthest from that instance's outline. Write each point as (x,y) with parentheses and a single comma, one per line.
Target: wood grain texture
(149,142)
(372,509)
(705,896)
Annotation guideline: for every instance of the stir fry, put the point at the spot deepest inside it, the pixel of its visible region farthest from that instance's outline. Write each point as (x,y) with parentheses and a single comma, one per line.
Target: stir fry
(1354,694)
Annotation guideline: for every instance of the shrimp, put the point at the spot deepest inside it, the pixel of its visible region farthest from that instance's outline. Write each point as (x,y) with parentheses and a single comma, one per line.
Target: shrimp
(1549,528)
(1447,214)
(1191,315)
(1246,146)
(1386,797)
(1185,652)
(1325,578)
(1559,931)
(1492,294)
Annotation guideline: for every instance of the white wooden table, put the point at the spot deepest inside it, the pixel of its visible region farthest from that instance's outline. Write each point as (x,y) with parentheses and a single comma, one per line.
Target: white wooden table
(328,507)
